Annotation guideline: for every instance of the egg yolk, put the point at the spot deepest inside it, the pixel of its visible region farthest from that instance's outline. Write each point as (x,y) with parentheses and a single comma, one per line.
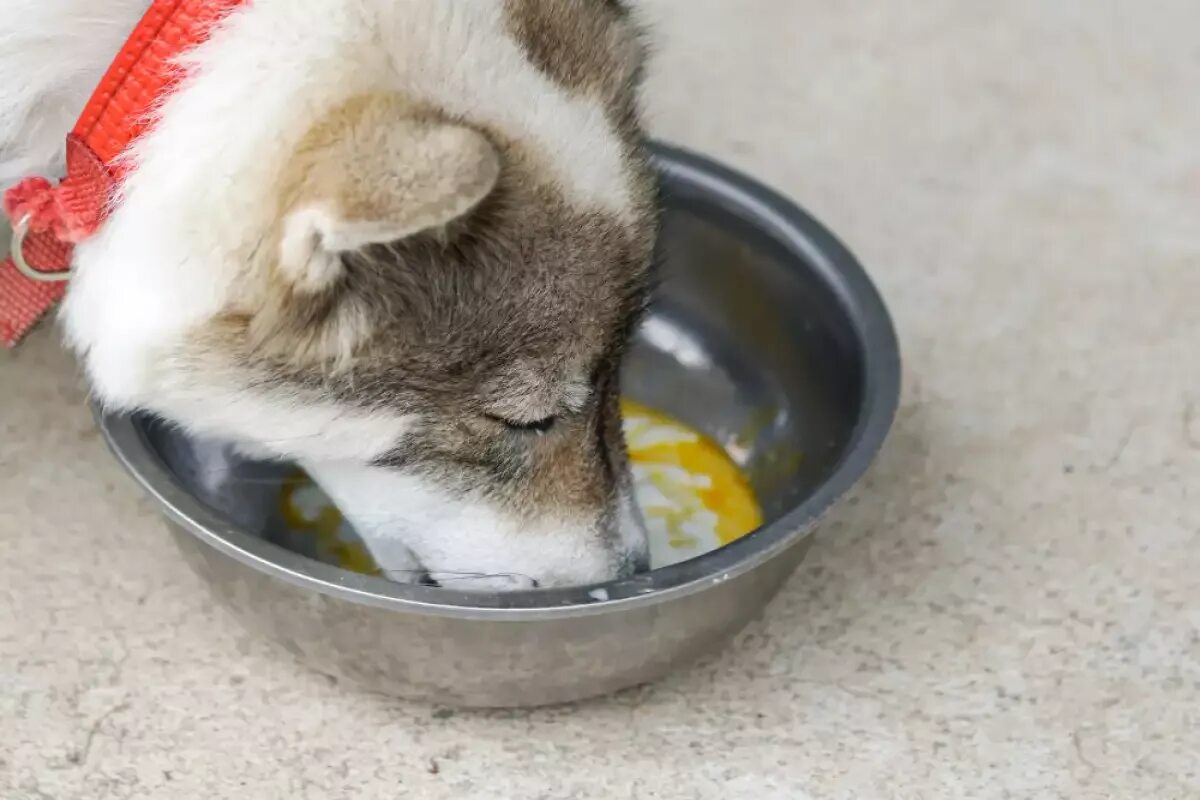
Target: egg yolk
(693,497)
(316,528)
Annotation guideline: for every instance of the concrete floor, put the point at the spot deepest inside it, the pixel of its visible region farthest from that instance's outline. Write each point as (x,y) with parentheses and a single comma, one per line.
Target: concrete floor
(1009,608)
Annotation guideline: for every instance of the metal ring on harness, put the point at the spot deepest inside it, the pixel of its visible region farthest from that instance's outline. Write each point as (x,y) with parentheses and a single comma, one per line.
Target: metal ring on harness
(17,251)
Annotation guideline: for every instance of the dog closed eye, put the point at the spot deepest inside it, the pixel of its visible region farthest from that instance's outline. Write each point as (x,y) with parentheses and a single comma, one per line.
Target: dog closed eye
(538,426)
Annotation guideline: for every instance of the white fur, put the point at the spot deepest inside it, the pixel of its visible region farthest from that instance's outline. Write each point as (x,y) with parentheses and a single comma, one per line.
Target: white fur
(199,202)
(52,54)
(304,252)
(397,513)
(303,428)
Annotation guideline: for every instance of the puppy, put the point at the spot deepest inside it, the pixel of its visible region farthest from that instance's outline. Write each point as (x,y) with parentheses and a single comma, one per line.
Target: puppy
(399,242)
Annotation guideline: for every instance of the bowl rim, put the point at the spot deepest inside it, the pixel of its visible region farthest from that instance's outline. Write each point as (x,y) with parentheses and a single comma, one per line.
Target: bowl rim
(686,172)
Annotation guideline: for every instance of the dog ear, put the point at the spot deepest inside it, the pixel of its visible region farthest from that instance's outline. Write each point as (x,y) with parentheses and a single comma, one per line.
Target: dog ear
(375,172)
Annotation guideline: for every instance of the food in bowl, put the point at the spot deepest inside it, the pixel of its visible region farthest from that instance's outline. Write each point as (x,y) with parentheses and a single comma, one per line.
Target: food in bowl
(692,496)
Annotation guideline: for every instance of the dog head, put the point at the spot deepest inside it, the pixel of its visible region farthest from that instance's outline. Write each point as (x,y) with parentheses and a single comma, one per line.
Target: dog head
(404,245)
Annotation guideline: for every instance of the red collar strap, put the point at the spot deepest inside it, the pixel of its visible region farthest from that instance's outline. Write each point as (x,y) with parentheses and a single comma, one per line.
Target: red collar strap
(49,220)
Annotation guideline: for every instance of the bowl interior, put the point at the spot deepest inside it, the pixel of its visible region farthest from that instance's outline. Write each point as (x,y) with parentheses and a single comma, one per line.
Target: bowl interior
(756,337)
(751,350)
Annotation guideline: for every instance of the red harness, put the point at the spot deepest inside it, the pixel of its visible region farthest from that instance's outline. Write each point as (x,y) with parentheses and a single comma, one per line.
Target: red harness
(49,220)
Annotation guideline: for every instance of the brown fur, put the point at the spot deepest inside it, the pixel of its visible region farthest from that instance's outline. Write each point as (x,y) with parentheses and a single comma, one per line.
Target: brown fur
(589,46)
(479,310)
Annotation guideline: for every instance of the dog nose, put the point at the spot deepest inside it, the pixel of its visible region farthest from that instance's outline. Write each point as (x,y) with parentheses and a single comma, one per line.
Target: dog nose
(633,562)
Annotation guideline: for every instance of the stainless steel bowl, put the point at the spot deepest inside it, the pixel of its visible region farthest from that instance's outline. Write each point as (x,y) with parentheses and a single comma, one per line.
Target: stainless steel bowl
(766,334)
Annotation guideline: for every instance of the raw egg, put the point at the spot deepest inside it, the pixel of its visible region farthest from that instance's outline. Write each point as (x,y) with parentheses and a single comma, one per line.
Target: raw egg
(693,498)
